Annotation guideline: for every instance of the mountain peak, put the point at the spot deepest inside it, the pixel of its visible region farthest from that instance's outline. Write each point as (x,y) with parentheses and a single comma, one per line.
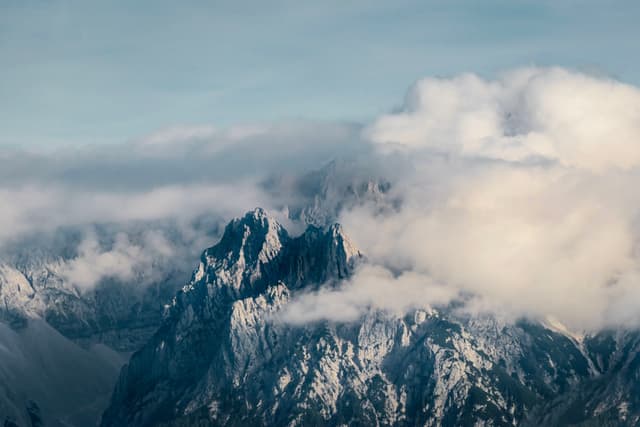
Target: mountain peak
(255,227)
(242,256)
(224,357)
(344,242)
(257,214)
(255,220)
(254,269)
(255,248)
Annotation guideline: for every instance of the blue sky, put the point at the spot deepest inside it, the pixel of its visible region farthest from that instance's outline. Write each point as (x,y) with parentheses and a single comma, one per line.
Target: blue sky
(84,72)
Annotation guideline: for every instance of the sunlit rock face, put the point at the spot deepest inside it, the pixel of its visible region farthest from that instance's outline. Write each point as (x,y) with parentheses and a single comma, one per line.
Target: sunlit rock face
(224,356)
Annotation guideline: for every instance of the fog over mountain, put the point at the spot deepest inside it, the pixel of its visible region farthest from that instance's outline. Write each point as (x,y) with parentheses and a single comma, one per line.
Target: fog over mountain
(478,207)
(526,180)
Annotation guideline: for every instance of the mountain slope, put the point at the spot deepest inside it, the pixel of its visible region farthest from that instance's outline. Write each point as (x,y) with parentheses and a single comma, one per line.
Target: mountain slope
(246,269)
(611,398)
(224,357)
(46,379)
(61,347)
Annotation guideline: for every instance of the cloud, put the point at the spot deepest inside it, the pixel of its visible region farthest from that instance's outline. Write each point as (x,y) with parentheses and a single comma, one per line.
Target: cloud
(194,178)
(371,287)
(570,118)
(185,155)
(531,240)
(123,262)
(37,209)
(178,172)
(519,191)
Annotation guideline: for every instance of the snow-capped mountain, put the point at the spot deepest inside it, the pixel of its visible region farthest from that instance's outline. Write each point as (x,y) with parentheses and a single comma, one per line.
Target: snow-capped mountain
(241,280)
(217,351)
(223,356)
(116,314)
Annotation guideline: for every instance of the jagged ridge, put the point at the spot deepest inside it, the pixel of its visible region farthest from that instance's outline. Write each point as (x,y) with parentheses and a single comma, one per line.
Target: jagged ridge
(255,265)
(223,358)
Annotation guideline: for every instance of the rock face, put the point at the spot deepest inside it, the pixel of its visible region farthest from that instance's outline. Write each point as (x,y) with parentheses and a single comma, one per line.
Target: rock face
(223,356)
(219,318)
(611,398)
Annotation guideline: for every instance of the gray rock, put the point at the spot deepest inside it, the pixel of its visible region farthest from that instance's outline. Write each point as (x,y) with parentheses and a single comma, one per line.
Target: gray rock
(224,357)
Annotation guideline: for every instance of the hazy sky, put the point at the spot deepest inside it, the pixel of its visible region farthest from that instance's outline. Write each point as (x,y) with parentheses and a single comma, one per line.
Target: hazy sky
(81,72)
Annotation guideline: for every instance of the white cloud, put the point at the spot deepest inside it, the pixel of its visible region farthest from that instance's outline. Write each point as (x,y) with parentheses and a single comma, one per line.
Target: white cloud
(33,209)
(371,287)
(124,261)
(520,191)
(179,135)
(175,176)
(180,172)
(574,119)
(534,241)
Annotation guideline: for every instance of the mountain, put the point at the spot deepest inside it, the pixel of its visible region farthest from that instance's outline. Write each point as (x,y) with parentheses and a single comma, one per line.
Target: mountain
(224,356)
(611,398)
(62,347)
(217,351)
(55,337)
(48,380)
(240,279)
(115,314)
(318,197)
